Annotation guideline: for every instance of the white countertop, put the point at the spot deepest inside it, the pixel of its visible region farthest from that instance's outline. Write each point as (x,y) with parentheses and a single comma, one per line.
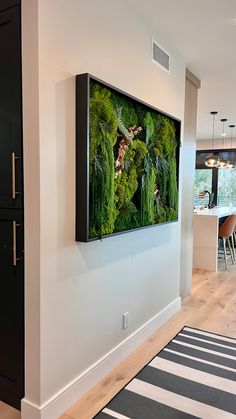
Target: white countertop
(215,212)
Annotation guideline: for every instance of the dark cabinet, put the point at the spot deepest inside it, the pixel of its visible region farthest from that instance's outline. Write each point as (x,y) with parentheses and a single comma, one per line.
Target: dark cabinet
(11,208)
(11,165)
(11,304)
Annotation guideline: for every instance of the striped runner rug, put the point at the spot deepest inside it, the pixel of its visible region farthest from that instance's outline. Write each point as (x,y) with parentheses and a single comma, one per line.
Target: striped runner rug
(194,376)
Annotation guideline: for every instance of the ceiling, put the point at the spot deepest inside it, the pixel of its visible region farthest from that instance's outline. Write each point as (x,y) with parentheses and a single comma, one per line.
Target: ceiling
(204,34)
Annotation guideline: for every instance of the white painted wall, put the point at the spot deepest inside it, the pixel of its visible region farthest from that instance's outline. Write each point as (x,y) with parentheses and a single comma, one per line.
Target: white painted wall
(32,197)
(188,164)
(218,143)
(85,288)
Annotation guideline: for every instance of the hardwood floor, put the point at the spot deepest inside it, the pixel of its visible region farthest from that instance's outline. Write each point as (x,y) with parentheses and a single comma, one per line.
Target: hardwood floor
(212,306)
(8,412)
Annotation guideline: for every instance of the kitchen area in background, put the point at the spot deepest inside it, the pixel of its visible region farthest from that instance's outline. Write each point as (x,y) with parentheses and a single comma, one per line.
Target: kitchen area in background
(214,202)
(218,181)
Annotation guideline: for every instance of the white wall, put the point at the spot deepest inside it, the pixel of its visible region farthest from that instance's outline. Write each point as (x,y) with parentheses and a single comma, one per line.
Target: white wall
(188,165)
(32,197)
(85,288)
(218,144)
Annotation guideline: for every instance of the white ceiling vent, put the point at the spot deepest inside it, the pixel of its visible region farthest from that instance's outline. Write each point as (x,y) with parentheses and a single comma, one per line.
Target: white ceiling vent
(160,57)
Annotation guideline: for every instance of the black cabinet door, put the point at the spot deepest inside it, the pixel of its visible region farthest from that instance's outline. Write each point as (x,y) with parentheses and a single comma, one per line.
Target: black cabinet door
(11,165)
(11,307)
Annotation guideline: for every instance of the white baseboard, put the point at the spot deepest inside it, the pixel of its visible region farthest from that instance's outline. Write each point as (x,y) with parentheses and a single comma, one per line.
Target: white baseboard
(68,395)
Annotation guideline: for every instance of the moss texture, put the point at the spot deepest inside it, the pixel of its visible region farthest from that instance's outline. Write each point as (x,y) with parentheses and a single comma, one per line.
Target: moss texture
(144,191)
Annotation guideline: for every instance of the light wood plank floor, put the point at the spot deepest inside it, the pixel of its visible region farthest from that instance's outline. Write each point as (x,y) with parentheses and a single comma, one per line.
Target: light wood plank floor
(212,306)
(7,412)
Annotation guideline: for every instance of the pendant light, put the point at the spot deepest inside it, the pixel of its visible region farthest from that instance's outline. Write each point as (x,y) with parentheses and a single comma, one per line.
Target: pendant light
(230,164)
(213,160)
(223,164)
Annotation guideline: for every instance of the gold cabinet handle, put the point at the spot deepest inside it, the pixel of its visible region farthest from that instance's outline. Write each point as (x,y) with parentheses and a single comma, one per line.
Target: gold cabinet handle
(14,258)
(13,167)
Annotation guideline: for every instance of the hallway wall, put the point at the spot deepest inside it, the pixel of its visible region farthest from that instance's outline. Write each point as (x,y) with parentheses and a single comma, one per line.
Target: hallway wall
(84,289)
(188,165)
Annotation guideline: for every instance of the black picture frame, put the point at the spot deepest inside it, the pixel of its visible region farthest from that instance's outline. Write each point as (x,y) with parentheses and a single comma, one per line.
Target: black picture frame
(83,83)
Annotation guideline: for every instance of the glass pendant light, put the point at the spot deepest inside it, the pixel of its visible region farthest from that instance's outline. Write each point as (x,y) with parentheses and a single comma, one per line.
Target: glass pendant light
(230,164)
(223,164)
(212,160)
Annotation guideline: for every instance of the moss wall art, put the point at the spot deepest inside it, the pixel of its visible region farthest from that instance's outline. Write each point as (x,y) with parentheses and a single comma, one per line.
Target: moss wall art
(133,159)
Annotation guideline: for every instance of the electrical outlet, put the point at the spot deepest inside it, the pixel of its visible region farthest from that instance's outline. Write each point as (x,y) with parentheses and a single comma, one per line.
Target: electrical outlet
(125,320)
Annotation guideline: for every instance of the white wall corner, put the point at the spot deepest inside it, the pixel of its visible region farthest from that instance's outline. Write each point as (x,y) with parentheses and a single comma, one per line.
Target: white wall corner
(74,390)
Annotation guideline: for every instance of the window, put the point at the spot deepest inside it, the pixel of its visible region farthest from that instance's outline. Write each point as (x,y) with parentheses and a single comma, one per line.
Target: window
(222,182)
(226,188)
(203,180)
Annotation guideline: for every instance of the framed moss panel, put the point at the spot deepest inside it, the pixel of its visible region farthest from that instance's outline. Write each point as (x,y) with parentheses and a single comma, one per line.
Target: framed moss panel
(127,162)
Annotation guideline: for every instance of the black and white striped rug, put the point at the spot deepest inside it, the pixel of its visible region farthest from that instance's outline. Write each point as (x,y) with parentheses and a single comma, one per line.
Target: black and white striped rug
(194,376)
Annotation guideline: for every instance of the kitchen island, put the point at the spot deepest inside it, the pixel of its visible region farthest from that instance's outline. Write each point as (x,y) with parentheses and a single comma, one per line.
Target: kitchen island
(205,236)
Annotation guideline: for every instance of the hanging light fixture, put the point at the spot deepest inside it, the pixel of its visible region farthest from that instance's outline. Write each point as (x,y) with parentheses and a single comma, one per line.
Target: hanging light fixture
(223,131)
(213,160)
(230,164)
(223,164)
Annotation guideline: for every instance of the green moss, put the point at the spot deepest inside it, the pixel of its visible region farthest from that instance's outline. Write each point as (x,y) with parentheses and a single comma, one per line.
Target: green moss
(102,208)
(128,110)
(138,151)
(173,189)
(146,190)
(128,222)
(166,143)
(164,152)
(103,136)
(103,114)
(163,178)
(148,122)
(160,213)
(126,185)
(171,214)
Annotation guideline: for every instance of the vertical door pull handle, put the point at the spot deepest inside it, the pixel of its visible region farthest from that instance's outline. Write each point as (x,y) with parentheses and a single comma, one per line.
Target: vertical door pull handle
(14,258)
(13,168)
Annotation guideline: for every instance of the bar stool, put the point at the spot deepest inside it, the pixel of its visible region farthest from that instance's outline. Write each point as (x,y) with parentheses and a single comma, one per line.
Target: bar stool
(226,232)
(234,242)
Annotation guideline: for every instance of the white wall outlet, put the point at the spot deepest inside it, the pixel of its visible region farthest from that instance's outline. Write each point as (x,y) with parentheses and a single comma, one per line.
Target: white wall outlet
(125,320)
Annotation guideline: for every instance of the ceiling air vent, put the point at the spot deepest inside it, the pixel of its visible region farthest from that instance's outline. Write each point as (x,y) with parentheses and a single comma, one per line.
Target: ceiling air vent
(160,57)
